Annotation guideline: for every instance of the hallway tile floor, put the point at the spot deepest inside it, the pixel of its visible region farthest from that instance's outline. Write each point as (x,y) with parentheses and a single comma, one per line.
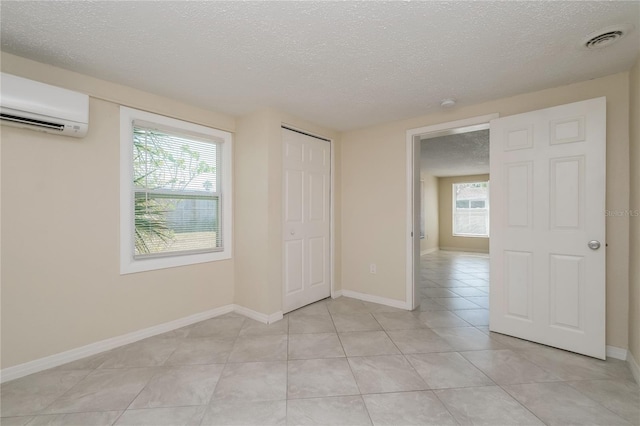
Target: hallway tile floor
(342,362)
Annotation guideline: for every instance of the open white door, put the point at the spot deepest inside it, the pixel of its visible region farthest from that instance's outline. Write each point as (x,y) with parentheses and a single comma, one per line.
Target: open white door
(548,226)
(307,227)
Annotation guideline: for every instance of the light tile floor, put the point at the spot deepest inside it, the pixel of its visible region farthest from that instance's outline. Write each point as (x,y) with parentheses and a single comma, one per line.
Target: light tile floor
(337,361)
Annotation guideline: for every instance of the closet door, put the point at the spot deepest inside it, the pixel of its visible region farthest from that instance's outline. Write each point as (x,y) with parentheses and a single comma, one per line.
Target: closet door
(306,216)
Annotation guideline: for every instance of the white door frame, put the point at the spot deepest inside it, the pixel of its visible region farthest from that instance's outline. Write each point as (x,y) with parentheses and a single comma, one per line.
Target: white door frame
(332,233)
(411,300)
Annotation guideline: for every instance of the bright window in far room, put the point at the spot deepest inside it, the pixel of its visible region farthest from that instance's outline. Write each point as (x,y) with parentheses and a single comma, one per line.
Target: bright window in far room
(471,209)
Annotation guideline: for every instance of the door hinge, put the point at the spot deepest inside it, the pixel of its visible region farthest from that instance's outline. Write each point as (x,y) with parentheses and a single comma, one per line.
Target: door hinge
(412,234)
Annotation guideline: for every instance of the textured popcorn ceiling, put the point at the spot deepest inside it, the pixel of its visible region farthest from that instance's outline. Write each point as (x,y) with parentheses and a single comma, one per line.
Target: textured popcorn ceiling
(462,154)
(344,65)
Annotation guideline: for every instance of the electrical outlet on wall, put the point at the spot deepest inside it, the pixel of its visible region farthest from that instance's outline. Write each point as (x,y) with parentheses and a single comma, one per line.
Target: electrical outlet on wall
(373,269)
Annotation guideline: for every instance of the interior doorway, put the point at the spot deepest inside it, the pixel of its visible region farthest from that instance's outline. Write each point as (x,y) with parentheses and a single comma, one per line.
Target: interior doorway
(454,222)
(454,198)
(547,262)
(417,234)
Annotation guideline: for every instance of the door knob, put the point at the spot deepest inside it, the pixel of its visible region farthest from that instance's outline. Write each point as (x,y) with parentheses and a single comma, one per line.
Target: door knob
(594,244)
(292,232)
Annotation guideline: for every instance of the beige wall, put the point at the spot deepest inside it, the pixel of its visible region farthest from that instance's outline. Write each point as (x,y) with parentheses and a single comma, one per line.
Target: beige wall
(374,164)
(430,242)
(259,207)
(115,93)
(447,240)
(634,232)
(61,285)
(251,193)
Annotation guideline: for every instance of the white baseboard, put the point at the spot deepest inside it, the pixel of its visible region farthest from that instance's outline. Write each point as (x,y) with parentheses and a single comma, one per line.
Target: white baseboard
(464,250)
(635,369)
(400,304)
(21,370)
(428,251)
(616,353)
(260,317)
(276,316)
(336,294)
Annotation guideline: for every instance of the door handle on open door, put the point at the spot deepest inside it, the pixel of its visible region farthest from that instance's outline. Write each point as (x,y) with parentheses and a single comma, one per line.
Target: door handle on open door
(594,244)
(292,232)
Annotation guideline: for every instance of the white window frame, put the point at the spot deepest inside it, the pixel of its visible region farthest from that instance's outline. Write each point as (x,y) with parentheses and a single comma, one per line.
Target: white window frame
(454,208)
(128,263)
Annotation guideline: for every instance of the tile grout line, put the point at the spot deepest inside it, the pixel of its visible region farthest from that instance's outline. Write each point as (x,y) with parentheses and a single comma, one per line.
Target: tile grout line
(455,419)
(566,382)
(226,363)
(351,370)
(41,412)
(521,404)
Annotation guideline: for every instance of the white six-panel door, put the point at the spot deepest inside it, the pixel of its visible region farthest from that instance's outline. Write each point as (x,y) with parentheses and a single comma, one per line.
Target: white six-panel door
(548,195)
(306,214)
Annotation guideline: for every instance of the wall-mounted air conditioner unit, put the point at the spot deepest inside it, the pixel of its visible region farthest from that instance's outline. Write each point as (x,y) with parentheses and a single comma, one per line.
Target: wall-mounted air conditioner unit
(37,106)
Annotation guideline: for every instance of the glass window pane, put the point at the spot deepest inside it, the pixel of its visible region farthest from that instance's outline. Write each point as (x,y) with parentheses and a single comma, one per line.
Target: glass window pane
(169,224)
(471,222)
(171,162)
(176,199)
(471,213)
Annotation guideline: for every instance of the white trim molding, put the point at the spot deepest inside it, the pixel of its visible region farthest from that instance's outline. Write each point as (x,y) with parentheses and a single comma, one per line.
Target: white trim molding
(400,304)
(635,368)
(258,316)
(37,365)
(470,250)
(276,316)
(429,251)
(20,370)
(336,293)
(616,353)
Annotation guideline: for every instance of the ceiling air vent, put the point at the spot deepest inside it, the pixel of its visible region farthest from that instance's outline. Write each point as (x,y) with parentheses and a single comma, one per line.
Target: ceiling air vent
(606,36)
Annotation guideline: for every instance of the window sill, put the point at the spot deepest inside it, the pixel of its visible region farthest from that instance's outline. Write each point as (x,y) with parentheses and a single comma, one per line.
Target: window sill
(132,266)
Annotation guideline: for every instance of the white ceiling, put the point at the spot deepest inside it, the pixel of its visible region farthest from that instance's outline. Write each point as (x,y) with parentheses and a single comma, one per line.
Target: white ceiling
(461,154)
(344,65)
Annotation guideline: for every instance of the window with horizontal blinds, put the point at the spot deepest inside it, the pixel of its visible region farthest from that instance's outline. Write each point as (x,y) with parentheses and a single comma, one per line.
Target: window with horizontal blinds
(176,191)
(471,209)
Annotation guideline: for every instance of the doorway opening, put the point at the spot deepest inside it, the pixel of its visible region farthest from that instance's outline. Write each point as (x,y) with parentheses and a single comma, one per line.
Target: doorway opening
(548,280)
(448,213)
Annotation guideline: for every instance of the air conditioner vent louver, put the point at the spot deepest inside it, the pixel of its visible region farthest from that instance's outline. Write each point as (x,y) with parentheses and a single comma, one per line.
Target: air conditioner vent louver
(33,105)
(606,36)
(38,123)
(603,40)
